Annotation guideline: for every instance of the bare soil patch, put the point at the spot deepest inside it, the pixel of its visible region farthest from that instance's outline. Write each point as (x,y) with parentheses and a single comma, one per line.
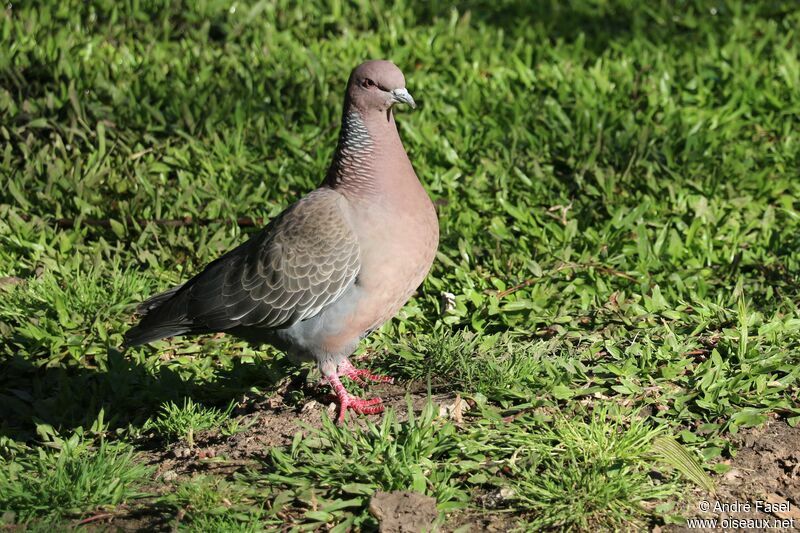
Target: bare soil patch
(403,512)
(762,488)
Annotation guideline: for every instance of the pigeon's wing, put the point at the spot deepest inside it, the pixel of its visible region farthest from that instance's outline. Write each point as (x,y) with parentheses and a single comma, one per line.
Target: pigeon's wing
(302,261)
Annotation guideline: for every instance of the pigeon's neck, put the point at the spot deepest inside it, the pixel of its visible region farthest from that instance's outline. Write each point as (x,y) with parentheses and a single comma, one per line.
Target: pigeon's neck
(367,155)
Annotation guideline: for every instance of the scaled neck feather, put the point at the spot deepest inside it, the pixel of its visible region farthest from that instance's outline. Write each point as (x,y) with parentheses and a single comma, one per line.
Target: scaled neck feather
(364,152)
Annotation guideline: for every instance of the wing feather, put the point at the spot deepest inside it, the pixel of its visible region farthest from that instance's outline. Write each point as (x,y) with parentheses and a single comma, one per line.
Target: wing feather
(301,262)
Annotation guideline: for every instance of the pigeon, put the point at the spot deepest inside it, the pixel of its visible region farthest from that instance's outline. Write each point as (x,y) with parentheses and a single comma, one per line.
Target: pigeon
(332,267)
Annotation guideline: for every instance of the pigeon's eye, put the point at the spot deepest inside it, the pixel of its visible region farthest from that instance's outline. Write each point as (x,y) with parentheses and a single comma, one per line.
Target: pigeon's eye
(368,83)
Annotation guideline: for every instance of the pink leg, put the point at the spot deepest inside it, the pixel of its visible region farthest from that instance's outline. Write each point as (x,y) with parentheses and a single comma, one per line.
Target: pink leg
(347,369)
(348,401)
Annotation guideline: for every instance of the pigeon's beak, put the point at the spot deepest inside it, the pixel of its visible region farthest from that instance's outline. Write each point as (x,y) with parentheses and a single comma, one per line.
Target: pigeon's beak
(402,96)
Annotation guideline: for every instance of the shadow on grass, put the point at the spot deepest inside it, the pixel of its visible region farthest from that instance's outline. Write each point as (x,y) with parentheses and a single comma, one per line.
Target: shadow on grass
(599,24)
(126,390)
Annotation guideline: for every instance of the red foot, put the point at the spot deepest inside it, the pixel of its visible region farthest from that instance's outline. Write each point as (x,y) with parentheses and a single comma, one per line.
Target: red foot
(347,369)
(348,401)
(372,406)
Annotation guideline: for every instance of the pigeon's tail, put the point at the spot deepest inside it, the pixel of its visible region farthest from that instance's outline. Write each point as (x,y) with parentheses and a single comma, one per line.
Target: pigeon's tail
(139,335)
(154,302)
(163,315)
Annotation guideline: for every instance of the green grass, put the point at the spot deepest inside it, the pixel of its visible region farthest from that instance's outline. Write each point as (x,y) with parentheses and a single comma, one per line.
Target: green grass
(182,422)
(340,469)
(593,476)
(206,503)
(70,479)
(618,197)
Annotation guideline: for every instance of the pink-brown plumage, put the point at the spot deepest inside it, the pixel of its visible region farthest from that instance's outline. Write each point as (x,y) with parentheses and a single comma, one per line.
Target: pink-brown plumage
(332,267)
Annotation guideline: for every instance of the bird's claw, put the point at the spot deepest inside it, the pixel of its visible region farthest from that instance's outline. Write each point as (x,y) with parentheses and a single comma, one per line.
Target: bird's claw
(358,375)
(372,406)
(348,401)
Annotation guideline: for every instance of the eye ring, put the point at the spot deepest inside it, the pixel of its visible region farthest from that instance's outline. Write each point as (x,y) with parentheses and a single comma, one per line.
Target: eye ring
(368,83)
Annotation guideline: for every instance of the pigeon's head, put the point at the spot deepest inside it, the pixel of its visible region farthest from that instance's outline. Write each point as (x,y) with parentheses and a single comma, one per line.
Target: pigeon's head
(377,86)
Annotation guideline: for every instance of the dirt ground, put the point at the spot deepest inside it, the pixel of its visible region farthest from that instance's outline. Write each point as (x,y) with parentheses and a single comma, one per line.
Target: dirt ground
(273,423)
(761,490)
(403,512)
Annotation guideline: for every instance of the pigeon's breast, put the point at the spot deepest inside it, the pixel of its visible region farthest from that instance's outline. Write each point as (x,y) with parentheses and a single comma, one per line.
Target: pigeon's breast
(395,258)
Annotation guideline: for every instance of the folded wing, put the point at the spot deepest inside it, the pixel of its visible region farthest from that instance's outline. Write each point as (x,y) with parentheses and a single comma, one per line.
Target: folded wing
(301,262)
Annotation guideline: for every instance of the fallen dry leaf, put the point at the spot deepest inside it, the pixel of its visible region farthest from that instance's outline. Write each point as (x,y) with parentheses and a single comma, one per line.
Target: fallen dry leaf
(454,411)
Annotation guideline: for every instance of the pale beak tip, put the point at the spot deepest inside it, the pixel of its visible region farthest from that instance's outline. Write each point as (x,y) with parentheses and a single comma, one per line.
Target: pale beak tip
(404,97)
